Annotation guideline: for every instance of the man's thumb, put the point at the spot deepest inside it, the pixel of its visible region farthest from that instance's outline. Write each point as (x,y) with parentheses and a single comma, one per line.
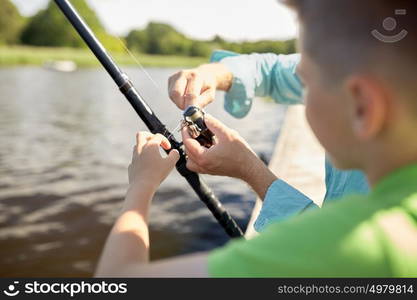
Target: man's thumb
(217,127)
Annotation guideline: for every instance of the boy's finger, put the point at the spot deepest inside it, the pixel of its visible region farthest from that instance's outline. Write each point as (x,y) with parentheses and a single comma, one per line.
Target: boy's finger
(142,138)
(160,140)
(165,144)
(173,157)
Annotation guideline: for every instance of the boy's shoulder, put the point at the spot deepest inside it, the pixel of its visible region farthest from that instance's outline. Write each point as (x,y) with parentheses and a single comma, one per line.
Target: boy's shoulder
(347,238)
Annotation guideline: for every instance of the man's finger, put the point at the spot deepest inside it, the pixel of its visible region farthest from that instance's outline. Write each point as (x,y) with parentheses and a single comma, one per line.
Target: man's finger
(193,90)
(206,97)
(192,146)
(192,166)
(217,127)
(177,90)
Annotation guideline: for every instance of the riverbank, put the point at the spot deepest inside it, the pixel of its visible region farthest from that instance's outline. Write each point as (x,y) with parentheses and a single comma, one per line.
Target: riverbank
(22,55)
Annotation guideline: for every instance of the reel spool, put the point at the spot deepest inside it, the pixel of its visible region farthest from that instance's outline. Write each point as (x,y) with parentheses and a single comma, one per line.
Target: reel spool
(197,128)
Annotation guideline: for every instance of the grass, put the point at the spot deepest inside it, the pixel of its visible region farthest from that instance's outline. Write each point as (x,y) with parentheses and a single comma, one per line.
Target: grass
(22,55)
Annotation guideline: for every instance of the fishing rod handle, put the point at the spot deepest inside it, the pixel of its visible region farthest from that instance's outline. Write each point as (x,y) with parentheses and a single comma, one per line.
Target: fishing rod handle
(210,200)
(217,209)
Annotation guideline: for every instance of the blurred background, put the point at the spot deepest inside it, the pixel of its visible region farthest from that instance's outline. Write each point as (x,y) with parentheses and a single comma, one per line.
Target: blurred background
(66,133)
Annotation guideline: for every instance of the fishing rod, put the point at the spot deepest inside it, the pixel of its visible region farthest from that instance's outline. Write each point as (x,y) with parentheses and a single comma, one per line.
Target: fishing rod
(149,118)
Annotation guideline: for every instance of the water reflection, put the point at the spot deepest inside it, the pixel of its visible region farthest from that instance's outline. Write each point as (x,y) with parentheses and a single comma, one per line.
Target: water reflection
(65,143)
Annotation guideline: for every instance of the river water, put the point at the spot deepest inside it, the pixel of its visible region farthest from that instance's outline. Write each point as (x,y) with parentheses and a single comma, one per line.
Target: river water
(65,144)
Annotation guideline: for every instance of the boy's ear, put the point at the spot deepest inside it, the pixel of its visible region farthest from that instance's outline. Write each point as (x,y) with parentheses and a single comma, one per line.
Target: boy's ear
(369,106)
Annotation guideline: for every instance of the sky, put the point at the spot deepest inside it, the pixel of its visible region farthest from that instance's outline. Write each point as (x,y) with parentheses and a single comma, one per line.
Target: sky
(201,19)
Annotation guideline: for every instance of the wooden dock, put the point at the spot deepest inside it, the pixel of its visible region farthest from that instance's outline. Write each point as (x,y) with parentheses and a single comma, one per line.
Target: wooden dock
(298,159)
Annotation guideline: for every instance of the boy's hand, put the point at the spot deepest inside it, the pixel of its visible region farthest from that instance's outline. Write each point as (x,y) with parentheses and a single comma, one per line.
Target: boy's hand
(148,168)
(229,156)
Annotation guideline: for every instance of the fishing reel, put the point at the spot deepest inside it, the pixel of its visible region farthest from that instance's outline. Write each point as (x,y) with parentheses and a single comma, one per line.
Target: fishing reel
(197,128)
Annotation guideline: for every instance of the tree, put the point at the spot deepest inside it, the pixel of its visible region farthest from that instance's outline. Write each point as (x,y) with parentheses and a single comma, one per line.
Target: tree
(137,40)
(11,23)
(49,27)
(165,39)
(218,40)
(199,48)
(158,38)
(278,47)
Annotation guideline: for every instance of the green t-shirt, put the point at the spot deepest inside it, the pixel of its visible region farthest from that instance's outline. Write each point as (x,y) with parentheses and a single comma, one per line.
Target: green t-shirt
(362,236)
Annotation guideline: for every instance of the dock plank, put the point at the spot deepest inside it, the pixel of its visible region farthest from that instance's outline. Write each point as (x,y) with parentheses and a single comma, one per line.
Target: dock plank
(298,159)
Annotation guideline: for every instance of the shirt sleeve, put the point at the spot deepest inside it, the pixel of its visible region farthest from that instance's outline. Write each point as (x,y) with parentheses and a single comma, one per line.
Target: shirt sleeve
(341,183)
(259,75)
(281,202)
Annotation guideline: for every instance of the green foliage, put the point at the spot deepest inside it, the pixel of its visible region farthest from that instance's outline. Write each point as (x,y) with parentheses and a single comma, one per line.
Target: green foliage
(279,47)
(137,40)
(49,27)
(163,39)
(11,23)
(199,48)
(110,42)
(218,40)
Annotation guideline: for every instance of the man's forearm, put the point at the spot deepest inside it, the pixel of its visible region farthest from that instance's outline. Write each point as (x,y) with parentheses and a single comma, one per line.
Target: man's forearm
(223,76)
(259,177)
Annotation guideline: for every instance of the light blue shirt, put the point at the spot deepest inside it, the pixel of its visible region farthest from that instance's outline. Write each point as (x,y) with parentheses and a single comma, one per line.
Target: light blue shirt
(261,75)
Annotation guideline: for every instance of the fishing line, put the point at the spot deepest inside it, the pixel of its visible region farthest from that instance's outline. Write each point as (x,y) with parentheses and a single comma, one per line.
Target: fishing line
(157,87)
(140,65)
(176,129)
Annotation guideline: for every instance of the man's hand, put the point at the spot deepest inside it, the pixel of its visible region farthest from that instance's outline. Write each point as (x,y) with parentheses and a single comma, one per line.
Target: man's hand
(229,156)
(148,168)
(198,86)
